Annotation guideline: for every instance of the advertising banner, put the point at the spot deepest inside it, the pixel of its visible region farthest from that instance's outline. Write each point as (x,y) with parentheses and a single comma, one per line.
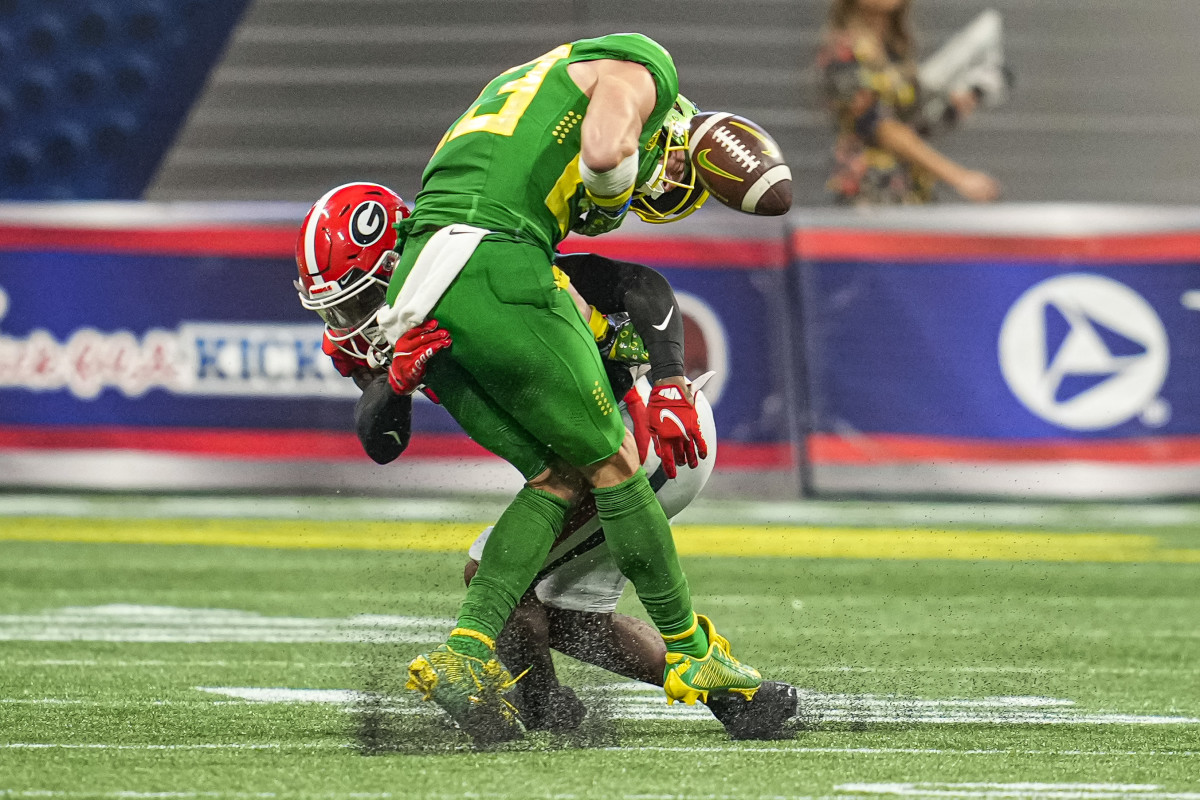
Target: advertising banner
(1050,352)
(188,338)
(927,347)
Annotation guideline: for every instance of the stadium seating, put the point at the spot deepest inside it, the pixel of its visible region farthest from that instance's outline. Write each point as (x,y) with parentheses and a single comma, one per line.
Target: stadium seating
(92,93)
(1102,111)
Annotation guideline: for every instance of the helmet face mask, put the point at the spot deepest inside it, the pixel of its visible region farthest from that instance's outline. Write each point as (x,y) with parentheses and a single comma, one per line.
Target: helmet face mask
(345,256)
(367,343)
(675,203)
(662,198)
(352,299)
(348,307)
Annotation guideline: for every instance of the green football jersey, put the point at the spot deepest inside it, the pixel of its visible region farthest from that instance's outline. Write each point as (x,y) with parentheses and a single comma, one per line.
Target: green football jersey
(511,162)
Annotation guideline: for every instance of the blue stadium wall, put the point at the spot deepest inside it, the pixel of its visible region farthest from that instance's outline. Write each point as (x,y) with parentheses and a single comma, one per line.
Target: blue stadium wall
(93,92)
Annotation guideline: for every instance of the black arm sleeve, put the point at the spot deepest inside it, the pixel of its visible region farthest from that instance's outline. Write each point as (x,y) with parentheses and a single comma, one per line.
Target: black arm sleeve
(383,421)
(645,295)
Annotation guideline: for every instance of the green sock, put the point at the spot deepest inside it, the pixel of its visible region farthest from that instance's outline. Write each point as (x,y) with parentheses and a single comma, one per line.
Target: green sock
(692,642)
(639,538)
(515,551)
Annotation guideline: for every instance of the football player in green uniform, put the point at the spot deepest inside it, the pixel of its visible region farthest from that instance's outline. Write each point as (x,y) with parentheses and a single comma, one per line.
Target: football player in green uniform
(565,142)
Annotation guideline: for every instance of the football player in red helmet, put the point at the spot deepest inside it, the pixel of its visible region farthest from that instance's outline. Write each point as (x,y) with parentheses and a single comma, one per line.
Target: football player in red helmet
(336,241)
(346,252)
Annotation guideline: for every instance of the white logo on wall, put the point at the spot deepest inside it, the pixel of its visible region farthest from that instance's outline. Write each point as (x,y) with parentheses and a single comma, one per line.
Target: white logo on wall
(197,358)
(1085,352)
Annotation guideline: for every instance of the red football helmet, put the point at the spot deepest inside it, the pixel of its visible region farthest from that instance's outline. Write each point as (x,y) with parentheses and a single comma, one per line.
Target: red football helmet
(346,255)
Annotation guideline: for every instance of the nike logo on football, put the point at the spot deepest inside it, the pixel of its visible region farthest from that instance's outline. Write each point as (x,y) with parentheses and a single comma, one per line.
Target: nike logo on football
(666,415)
(393,434)
(703,161)
(666,319)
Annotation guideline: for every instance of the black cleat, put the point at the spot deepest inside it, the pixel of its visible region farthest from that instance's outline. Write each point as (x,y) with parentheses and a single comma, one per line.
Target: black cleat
(767,716)
(558,710)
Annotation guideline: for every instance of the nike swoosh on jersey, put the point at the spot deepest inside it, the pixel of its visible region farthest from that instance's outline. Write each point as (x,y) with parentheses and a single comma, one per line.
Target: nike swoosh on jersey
(666,414)
(666,319)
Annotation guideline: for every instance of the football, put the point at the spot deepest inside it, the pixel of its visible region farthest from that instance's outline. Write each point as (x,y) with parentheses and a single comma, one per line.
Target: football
(740,164)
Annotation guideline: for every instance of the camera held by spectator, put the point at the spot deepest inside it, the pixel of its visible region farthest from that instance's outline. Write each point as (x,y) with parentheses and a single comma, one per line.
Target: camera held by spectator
(968,67)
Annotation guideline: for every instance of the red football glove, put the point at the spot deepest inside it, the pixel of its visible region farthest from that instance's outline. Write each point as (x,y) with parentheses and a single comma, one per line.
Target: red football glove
(637,413)
(412,353)
(674,429)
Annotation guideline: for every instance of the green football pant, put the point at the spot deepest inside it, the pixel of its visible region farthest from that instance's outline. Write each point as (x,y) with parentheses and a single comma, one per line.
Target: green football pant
(523,378)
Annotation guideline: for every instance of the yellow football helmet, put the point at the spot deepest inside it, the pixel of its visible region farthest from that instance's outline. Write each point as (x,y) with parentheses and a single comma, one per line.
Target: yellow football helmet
(661,199)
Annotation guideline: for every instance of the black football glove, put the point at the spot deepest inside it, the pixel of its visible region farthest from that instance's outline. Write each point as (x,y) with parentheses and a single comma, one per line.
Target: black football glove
(597,220)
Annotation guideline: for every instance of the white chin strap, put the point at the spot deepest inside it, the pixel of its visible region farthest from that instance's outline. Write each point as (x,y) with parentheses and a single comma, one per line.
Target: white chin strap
(653,186)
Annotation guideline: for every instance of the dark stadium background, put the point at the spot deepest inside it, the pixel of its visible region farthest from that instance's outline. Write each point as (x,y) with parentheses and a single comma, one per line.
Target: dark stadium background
(309,93)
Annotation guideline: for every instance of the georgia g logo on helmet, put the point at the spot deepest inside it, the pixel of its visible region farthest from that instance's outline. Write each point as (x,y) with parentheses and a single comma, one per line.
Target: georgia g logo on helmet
(345,256)
(367,223)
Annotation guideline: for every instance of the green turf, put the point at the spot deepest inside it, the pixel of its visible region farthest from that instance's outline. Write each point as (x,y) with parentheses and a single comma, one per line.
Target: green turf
(1116,639)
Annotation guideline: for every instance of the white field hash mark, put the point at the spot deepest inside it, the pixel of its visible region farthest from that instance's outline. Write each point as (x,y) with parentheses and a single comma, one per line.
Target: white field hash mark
(135,623)
(640,702)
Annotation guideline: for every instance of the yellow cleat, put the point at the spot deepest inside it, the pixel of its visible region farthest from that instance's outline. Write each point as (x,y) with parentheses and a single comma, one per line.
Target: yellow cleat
(470,690)
(688,679)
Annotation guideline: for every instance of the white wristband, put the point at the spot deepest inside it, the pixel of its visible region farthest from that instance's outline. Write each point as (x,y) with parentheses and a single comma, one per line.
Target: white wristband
(612,183)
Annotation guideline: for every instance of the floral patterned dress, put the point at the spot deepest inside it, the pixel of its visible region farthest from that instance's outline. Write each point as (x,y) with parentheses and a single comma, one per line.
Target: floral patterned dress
(864,84)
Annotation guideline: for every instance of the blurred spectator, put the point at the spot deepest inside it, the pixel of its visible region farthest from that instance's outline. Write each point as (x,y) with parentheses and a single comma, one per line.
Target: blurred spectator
(869,76)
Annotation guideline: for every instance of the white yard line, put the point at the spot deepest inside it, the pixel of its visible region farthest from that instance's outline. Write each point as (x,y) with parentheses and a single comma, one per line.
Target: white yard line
(121,622)
(290,508)
(167,624)
(1091,516)
(807,512)
(648,704)
(638,702)
(732,747)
